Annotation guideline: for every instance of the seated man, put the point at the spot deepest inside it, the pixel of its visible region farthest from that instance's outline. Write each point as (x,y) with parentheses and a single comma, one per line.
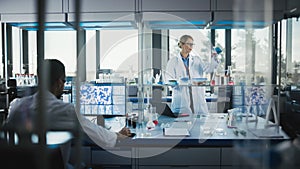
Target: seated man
(59,115)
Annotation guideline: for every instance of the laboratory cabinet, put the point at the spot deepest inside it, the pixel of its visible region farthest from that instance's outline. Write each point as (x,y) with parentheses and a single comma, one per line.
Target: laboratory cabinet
(202,149)
(91,6)
(236,167)
(181,157)
(29,6)
(25,11)
(178,157)
(233,159)
(98,157)
(175,157)
(172,167)
(111,157)
(85,154)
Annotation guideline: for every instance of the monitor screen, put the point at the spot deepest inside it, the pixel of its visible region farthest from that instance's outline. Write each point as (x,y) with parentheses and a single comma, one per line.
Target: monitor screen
(102,98)
(95,95)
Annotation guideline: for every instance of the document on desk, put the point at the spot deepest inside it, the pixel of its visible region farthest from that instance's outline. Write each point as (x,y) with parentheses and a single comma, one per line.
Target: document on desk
(176,132)
(182,124)
(265,133)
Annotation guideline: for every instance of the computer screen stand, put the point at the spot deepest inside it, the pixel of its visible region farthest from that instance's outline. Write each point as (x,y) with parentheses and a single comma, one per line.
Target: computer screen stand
(271,109)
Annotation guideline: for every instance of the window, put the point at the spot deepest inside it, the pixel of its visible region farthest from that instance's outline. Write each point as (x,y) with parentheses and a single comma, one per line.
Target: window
(220,42)
(16,51)
(283,49)
(32,52)
(91,55)
(251,55)
(119,50)
(61,45)
(293,51)
(1,56)
(290,62)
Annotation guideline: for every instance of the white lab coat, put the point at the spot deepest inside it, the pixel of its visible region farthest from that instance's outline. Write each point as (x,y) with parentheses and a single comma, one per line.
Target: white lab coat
(59,116)
(180,94)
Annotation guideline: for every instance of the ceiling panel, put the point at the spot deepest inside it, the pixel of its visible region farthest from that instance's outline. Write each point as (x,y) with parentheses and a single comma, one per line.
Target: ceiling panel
(31,18)
(91,17)
(29,6)
(292,8)
(175,5)
(177,16)
(104,6)
(250,5)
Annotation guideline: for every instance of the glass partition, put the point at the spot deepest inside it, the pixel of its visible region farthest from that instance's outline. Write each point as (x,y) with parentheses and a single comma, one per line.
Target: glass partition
(251,55)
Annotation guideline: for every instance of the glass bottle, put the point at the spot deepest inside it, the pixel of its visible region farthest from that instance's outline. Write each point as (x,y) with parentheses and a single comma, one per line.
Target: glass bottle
(229,76)
(150,124)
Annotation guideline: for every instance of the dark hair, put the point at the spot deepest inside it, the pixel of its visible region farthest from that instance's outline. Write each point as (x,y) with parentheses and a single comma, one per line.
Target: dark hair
(54,69)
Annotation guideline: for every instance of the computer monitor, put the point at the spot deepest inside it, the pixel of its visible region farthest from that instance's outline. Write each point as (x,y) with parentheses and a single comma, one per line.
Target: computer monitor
(108,99)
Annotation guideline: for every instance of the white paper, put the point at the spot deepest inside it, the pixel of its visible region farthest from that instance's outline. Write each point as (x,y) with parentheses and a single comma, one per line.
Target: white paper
(176,132)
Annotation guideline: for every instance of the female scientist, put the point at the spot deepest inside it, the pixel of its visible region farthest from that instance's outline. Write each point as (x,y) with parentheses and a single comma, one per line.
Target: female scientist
(188,99)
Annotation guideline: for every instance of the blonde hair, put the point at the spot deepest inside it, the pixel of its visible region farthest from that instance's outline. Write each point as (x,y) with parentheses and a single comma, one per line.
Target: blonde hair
(183,39)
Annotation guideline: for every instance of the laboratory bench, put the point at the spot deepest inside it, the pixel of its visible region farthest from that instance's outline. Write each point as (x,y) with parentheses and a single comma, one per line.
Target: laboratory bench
(209,98)
(215,103)
(206,142)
